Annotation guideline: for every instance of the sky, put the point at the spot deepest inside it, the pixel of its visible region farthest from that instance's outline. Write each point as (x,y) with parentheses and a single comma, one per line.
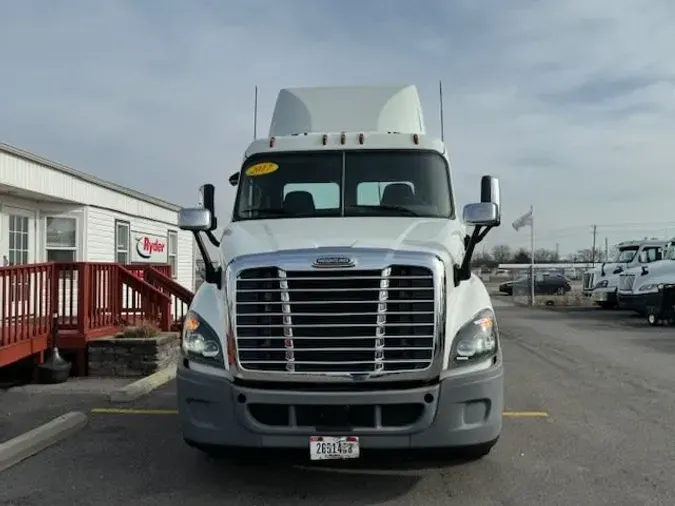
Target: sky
(570,103)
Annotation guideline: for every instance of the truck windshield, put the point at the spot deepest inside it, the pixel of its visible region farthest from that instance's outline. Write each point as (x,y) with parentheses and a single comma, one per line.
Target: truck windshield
(626,255)
(344,183)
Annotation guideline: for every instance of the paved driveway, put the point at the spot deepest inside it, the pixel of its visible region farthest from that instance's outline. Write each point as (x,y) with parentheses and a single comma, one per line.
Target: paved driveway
(607,440)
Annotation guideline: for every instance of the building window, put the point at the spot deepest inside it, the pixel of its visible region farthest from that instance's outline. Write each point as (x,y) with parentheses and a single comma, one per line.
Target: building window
(173,252)
(18,240)
(122,240)
(61,239)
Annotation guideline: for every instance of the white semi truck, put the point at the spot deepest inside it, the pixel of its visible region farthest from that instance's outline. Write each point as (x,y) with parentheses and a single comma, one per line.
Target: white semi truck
(602,281)
(639,286)
(345,316)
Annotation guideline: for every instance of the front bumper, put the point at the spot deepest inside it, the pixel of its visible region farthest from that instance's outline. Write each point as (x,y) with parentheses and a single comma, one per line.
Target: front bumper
(456,412)
(604,294)
(638,302)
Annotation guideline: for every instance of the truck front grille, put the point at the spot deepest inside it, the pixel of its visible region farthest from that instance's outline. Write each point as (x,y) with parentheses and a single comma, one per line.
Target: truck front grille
(335,322)
(587,281)
(626,282)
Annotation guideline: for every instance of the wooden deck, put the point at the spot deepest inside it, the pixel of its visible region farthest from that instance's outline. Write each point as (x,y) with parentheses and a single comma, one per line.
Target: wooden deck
(91,300)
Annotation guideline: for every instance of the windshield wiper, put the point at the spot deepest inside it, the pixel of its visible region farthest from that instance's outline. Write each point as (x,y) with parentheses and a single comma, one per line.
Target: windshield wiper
(270,211)
(387,209)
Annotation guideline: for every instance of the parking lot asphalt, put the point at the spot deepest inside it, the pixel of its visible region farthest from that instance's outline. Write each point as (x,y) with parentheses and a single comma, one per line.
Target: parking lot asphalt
(24,408)
(607,387)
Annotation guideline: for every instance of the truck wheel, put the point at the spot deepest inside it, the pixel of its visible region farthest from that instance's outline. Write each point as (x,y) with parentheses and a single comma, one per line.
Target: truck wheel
(476,452)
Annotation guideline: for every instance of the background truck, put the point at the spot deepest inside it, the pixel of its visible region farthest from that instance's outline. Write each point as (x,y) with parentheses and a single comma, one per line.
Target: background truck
(602,281)
(639,286)
(344,316)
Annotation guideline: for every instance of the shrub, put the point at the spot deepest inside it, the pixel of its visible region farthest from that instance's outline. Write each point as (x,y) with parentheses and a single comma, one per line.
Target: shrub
(144,330)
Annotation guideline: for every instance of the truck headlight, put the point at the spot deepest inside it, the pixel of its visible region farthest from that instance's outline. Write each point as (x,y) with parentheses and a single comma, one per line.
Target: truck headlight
(602,284)
(649,288)
(200,342)
(477,339)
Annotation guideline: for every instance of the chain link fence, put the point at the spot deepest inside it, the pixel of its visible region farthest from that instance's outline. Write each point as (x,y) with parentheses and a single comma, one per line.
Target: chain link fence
(552,287)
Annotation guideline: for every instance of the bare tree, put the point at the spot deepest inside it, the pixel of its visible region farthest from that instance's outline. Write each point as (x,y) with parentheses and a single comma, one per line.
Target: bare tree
(502,254)
(586,255)
(522,256)
(480,259)
(544,256)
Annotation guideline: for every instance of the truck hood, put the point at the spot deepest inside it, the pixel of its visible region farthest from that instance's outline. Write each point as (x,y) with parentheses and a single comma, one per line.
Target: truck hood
(660,267)
(438,235)
(648,282)
(609,269)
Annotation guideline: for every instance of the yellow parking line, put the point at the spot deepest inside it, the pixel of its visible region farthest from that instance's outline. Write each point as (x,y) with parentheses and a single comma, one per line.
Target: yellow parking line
(122,411)
(526,414)
(126,411)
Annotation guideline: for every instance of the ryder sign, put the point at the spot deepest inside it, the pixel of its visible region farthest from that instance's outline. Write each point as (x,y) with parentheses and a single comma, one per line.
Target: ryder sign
(148,248)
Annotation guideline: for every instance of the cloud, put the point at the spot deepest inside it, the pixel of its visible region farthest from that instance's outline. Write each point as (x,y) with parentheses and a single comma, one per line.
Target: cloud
(571,103)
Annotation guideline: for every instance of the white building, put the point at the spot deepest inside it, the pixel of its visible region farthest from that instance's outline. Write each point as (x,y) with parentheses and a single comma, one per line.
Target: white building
(50,212)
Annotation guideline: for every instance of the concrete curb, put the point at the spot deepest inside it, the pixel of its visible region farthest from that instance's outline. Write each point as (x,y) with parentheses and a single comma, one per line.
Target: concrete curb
(143,386)
(34,441)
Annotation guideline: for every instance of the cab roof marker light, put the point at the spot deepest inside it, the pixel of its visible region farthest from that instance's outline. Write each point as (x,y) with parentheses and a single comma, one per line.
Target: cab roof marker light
(324,139)
(416,138)
(272,141)
(343,138)
(361,138)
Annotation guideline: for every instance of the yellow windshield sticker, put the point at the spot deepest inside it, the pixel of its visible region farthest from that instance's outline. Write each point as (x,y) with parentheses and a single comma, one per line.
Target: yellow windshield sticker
(261,169)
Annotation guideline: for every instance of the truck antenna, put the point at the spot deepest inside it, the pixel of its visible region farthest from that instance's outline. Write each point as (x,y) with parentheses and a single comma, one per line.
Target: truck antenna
(440,105)
(255,113)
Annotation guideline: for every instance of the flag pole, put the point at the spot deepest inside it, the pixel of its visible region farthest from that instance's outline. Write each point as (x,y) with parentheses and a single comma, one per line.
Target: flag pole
(532,255)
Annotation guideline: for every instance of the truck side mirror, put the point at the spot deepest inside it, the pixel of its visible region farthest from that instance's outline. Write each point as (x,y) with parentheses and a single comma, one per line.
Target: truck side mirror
(234,179)
(207,202)
(491,192)
(202,219)
(481,214)
(195,219)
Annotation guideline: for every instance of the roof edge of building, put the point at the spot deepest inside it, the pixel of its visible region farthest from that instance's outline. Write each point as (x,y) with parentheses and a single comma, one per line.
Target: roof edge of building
(31,157)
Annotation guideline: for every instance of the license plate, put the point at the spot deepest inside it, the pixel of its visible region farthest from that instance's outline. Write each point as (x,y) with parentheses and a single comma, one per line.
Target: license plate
(333,448)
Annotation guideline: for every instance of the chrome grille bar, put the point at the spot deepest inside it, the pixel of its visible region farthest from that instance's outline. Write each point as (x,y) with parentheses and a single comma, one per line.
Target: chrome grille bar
(626,282)
(430,301)
(288,321)
(588,280)
(338,322)
(381,320)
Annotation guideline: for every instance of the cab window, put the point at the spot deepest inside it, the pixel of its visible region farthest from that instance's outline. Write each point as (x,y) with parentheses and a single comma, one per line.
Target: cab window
(325,195)
(650,254)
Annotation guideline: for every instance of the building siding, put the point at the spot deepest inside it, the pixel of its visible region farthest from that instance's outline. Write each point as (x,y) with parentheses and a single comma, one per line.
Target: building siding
(20,173)
(100,243)
(39,213)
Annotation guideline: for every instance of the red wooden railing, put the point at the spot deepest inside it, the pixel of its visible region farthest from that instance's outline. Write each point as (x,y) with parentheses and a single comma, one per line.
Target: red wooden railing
(143,302)
(26,304)
(90,299)
(181,297)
